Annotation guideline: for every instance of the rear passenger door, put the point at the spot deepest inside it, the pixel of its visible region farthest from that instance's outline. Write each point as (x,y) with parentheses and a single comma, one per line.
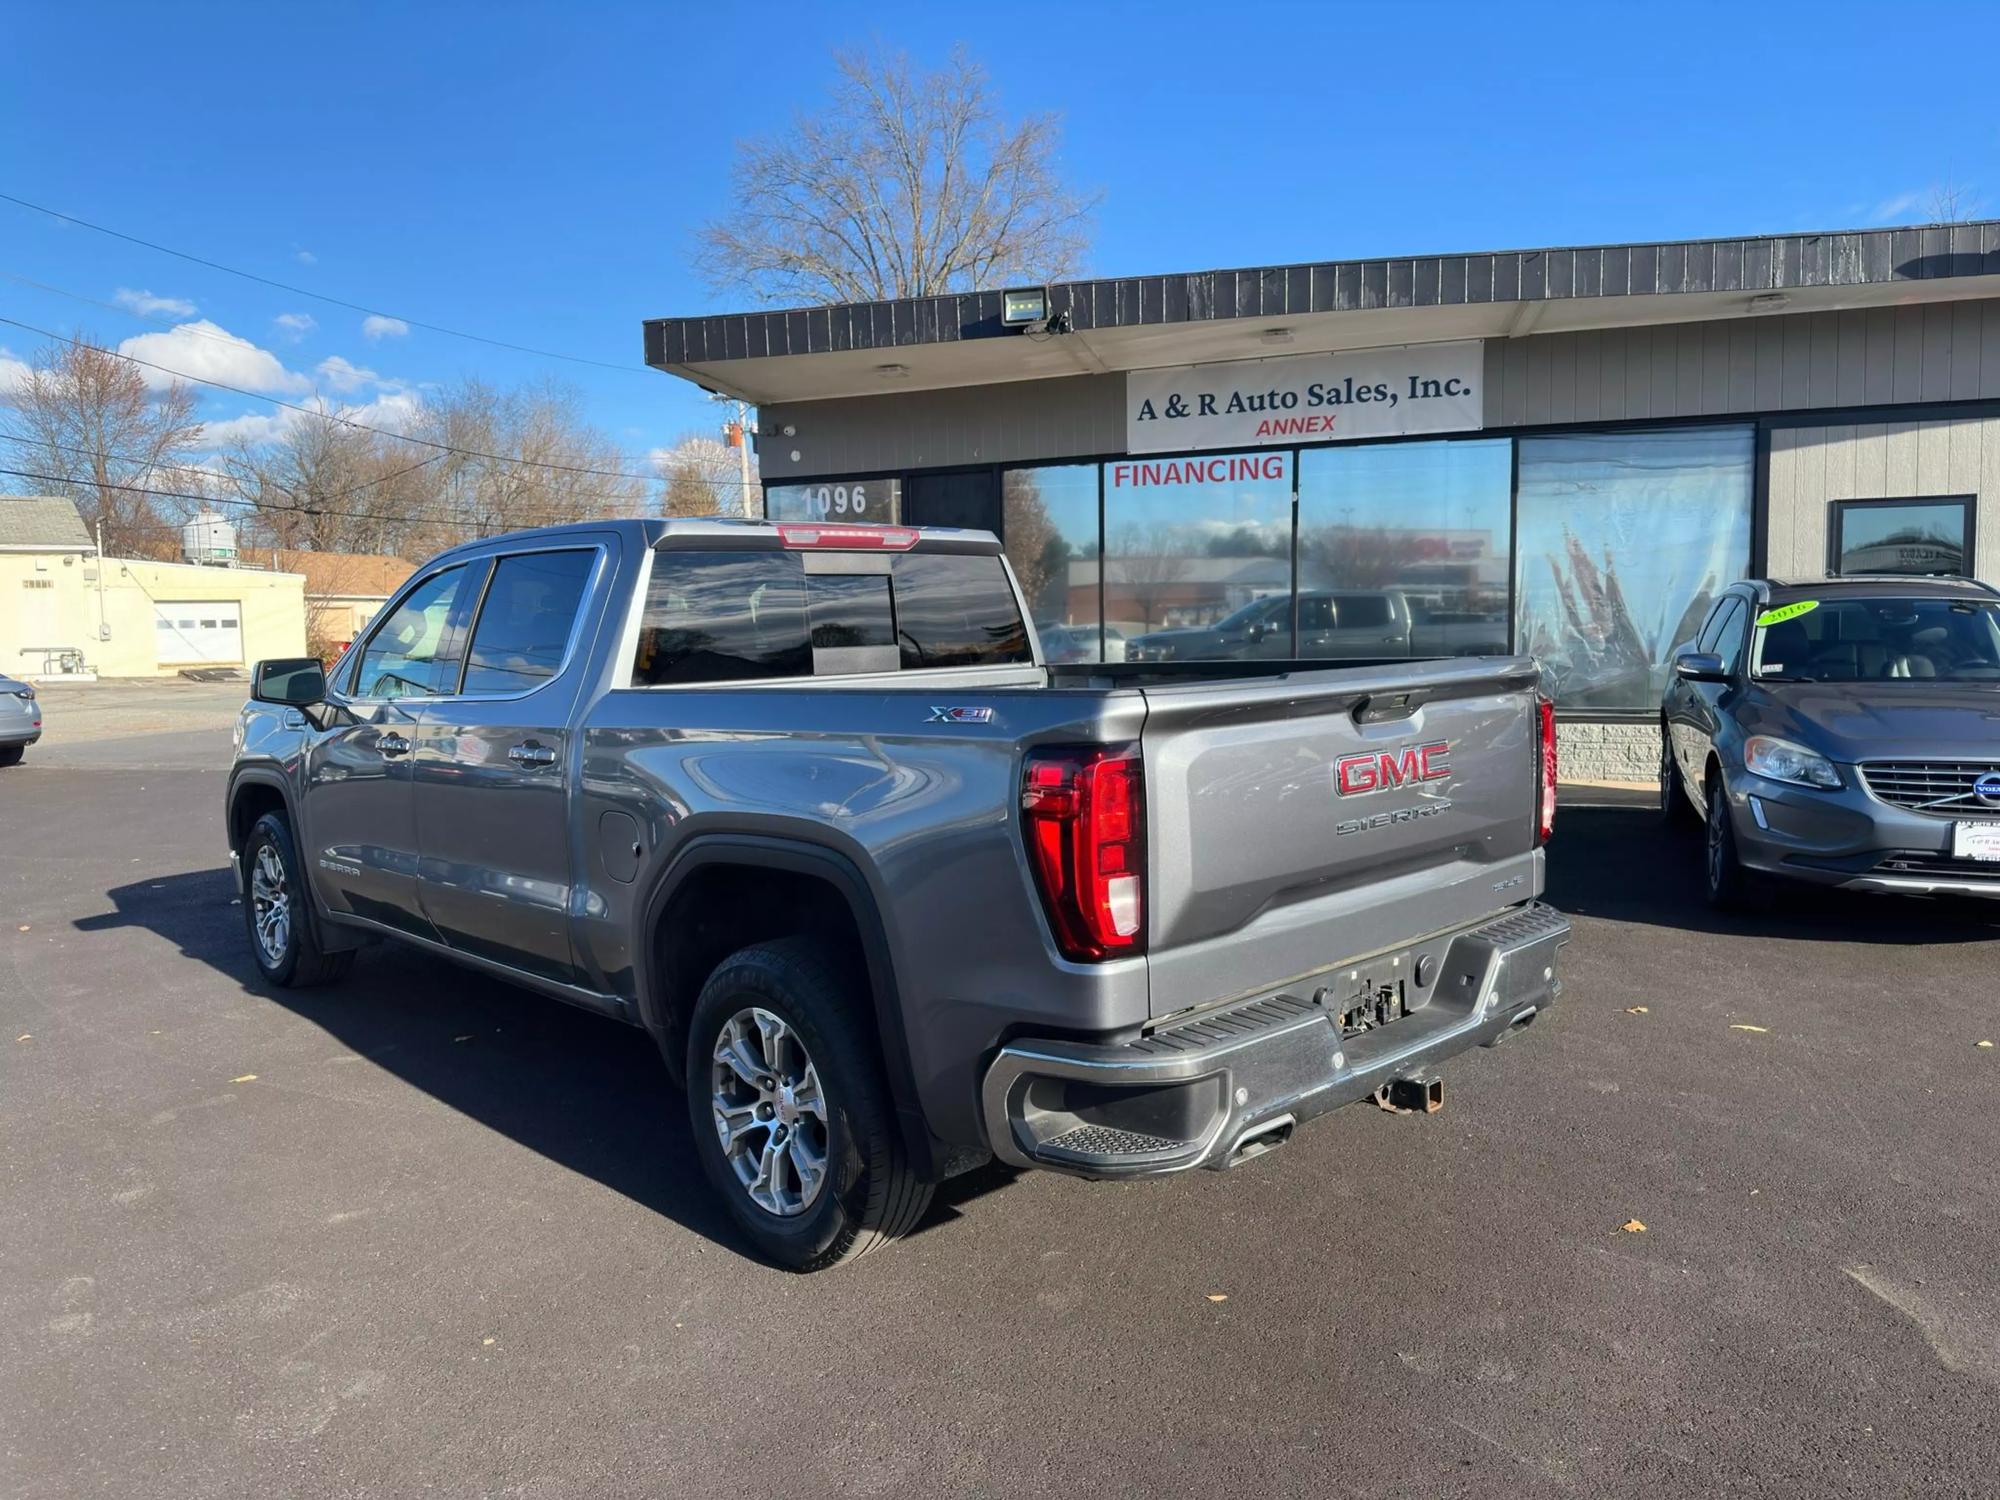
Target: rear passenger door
(492,776)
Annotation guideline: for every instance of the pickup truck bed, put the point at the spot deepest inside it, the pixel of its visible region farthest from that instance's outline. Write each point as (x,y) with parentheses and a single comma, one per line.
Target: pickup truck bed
(1100,919)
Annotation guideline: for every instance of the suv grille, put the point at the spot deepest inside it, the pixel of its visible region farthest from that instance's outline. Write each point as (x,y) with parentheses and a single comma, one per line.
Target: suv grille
(1934,786)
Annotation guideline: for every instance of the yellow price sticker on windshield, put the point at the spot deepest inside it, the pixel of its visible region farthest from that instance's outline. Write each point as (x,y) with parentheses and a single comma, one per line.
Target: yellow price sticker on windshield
(1786,612)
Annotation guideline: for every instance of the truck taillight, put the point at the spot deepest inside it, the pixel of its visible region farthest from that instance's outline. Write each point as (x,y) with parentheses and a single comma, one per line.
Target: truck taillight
(1083,812)
(849,538)
(1545,771)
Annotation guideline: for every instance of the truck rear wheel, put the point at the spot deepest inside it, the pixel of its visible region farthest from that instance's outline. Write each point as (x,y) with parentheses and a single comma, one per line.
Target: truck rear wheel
(282,937)
(791,1113)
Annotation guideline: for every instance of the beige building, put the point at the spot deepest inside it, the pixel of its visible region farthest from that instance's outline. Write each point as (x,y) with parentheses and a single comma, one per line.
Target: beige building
(343,590)
(63,611)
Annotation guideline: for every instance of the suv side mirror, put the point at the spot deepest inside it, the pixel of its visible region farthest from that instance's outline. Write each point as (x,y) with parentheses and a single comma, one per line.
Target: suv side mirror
(1700,666)
(293,681)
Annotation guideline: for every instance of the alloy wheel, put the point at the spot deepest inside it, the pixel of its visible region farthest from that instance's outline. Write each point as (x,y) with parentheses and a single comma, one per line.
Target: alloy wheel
(770,1112)
(271,905)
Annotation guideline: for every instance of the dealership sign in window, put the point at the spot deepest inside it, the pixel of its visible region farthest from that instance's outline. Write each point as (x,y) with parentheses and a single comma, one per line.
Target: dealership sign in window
(876,500)
(1307,398)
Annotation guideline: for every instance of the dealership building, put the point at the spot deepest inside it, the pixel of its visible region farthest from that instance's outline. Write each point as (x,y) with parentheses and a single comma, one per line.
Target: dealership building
(1564,451)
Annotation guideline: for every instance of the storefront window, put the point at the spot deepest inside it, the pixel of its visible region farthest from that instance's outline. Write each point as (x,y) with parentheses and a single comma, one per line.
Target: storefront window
(1049,526)
(876,501)
(1624,539)
(1403,549)
(1902,536)
(1198,559)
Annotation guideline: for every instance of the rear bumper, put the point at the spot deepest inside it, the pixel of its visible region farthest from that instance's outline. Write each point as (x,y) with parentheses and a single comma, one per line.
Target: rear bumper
(1208,1092)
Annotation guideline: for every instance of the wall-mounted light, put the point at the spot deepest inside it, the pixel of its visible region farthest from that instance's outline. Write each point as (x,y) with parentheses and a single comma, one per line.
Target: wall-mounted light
(1276,336)
(1029,305)
(893,372)
(1770,302)
(790,430)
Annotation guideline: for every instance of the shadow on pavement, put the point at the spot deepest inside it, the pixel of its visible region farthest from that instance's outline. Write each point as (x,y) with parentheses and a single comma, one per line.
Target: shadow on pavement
(583,1091)
(1621,863)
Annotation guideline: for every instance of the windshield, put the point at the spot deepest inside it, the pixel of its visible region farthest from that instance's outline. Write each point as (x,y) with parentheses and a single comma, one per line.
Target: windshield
(1879,640)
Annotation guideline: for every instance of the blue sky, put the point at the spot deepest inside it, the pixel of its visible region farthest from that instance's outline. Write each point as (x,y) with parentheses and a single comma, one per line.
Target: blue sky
(532,172)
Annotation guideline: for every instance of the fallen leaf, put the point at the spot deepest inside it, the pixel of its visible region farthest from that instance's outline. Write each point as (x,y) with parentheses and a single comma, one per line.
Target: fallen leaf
(1218,1296)
(487,1342)
(26,1036)
(1635,1010)
(1633,1226)
(1740,1026)
(23,927)
(466,1038)
(246,1078)
(1982,1044)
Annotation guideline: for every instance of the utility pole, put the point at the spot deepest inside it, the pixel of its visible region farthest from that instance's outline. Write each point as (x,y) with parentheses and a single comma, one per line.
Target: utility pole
(102,633)
(738,435)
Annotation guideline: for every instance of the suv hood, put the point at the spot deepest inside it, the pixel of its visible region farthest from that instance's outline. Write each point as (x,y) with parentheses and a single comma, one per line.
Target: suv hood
(1852,722)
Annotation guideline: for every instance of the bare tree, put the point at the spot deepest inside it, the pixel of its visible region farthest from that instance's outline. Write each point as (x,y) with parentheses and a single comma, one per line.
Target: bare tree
(87,417)
(1150,565)
(908,184)
(310,485)
(523,457)
(700,476)
(1948,202)
(1035,547)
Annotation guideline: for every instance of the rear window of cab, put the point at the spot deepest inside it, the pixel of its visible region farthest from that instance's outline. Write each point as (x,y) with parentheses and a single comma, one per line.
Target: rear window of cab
(732,616)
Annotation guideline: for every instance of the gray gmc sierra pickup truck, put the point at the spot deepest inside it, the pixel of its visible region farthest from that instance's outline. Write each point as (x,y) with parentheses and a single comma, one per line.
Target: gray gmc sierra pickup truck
(891,894)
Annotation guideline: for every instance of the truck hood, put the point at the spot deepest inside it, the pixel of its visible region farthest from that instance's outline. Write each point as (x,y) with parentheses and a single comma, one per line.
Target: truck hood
(1852,722)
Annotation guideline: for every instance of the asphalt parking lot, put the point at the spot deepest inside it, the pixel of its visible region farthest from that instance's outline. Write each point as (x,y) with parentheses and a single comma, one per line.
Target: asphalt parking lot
(424,1233)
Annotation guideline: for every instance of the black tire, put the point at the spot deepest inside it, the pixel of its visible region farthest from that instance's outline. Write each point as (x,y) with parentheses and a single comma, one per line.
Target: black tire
(868,1192)
(1730,886)
(1676,811)
(297,962)
(10,755)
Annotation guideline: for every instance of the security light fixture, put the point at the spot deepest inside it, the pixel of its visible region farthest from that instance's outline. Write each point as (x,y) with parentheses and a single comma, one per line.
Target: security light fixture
(1770,302)
(1030,305)
(893,372)
(1276,335)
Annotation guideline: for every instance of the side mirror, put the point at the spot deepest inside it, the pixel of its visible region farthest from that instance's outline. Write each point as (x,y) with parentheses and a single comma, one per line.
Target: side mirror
(293,681)
(1700,666)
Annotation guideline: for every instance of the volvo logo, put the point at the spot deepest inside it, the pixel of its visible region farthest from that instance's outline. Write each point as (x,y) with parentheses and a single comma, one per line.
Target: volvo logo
(1987,788)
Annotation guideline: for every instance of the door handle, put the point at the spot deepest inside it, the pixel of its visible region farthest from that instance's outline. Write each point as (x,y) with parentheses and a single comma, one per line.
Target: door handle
(393,744)
(532,754)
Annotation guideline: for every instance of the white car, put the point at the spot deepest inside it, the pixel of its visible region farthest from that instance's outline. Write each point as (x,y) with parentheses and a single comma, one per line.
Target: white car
(20,720)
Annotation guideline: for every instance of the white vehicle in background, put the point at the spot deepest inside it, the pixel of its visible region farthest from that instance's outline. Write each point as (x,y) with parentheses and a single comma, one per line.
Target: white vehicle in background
(20,719)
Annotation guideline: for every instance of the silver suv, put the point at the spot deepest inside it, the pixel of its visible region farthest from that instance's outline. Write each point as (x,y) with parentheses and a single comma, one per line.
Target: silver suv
(1844,732)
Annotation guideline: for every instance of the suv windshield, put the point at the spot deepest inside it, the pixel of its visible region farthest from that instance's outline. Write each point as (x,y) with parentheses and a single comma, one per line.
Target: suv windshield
(1879,640)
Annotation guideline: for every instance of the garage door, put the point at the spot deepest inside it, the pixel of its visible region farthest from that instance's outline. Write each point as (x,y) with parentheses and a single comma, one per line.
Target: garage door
(184,633)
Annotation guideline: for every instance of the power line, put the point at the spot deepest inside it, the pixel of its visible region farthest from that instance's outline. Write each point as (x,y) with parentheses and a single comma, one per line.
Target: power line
(401,437)
(234,342)
(283,286)
(536,517)
(27,440)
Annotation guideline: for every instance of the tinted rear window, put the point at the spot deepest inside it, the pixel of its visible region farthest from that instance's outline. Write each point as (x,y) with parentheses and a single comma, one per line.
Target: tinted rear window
(730,616)
(957,611)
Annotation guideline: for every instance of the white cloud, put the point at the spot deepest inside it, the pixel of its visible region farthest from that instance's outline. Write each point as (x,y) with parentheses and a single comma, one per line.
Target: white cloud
(344,375)
(295,326)
(1896,207)
(207,351)
(392,411)
(14,372)
(375,326)
(149,305)
(305,257)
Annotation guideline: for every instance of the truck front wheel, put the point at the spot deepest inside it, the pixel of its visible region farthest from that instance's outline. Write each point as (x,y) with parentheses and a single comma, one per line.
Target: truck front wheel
(282,937)
(791,1113)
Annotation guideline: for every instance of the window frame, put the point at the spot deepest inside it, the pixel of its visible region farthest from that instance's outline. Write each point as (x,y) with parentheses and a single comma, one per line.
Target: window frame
(490,564)
(1836,525)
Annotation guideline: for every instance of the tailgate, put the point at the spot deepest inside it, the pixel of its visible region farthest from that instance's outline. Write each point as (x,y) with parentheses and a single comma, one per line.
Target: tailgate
(1305,821)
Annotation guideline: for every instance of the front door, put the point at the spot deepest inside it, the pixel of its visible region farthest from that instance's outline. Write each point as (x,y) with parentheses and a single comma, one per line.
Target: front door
(360,814)
(493,768)
(970,500)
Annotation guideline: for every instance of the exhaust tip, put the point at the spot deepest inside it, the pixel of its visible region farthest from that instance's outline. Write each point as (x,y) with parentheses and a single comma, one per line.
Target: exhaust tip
(1260,1139)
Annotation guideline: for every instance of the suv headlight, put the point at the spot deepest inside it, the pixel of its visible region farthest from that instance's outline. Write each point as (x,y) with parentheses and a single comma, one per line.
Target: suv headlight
(1781,760)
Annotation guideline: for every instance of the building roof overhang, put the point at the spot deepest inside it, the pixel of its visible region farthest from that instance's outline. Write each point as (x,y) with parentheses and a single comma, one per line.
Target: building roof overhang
(1145,322)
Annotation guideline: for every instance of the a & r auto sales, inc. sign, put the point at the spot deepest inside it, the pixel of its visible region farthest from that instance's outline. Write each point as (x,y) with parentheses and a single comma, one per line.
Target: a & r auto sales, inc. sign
(1306,398)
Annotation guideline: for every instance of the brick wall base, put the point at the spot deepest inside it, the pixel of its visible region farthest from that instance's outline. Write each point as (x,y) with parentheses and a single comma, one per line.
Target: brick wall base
(1608,752)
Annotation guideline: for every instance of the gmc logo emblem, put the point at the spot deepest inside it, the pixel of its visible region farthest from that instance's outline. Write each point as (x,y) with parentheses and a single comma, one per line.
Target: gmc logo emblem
(1379,770)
